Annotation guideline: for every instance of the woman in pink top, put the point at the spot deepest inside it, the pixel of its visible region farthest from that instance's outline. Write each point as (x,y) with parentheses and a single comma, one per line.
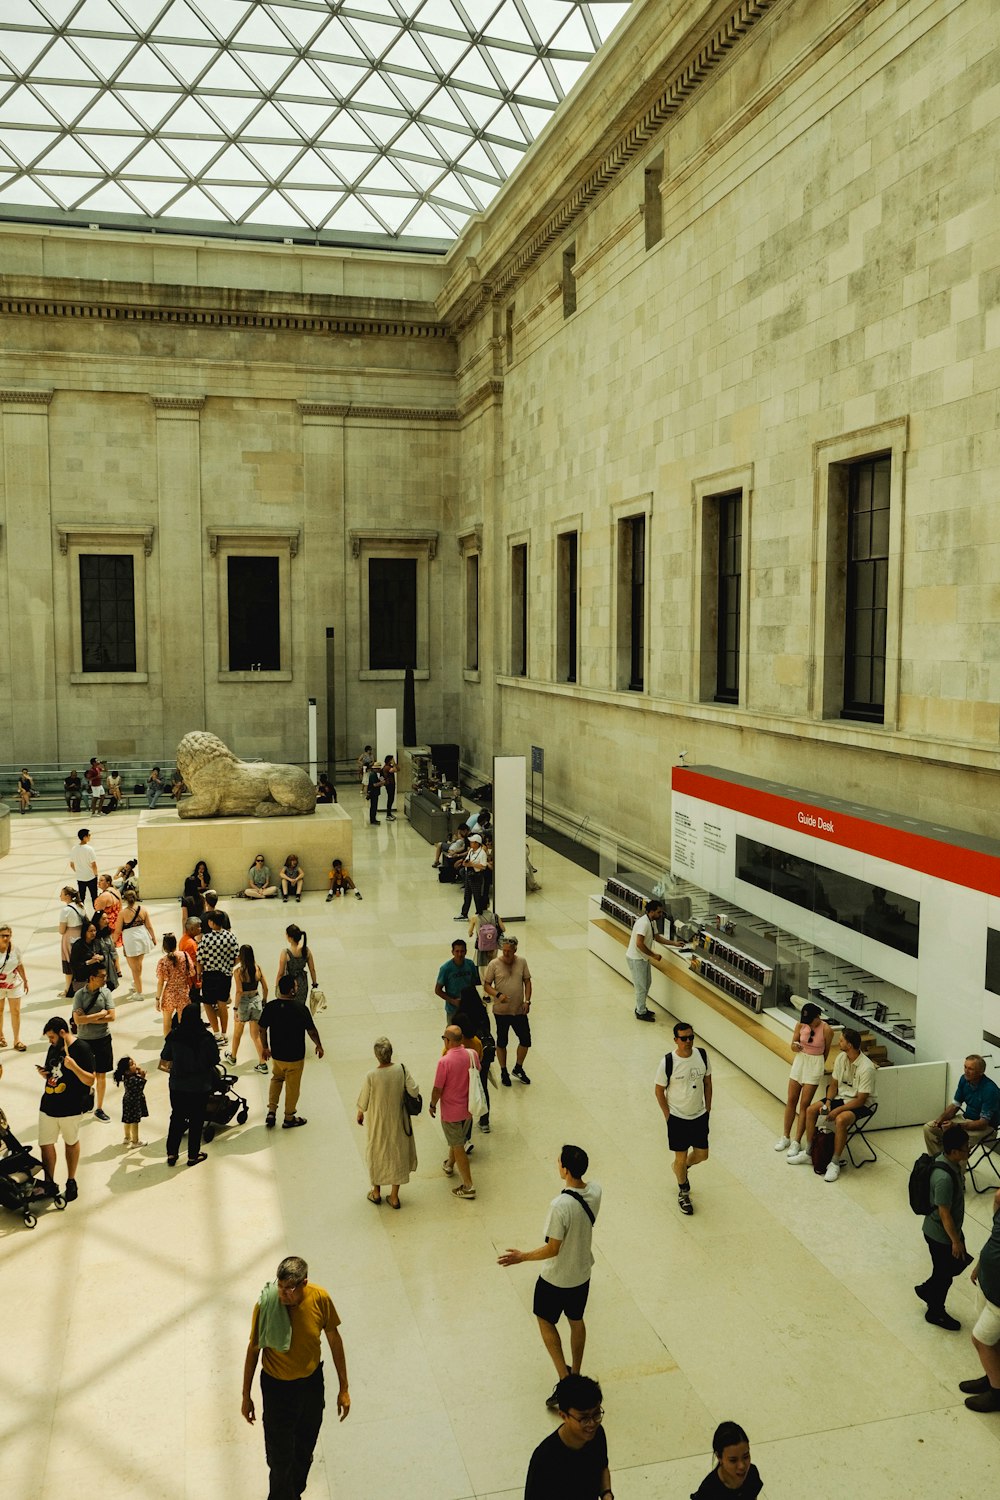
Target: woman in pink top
(811,1043)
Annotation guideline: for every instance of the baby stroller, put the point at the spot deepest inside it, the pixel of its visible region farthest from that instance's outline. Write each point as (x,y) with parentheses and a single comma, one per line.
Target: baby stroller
(223,1104)
(17,1177)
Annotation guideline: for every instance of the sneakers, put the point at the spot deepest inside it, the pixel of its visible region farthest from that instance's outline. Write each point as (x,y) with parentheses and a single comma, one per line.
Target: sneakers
(71,1193)
(832,1172)
(100,1115)
(270,1122)
(470,1146)
(230,1058)
(800,1158)
(684,1202)
(329,895)
(358,896)
(921,1292)
(944,1320)
(644,1015)
(463,1192)
(975,1387)
(784,1144)
(505,1078)
(448,1167)
(552,1402)
(521,1075)
(260,1067)
(462,917)
(484,1124)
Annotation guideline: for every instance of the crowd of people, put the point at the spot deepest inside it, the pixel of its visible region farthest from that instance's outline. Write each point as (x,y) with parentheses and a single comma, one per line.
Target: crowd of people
(206,979)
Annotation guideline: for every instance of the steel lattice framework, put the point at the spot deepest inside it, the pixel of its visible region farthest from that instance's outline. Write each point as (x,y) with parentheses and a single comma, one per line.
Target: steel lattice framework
(387,123)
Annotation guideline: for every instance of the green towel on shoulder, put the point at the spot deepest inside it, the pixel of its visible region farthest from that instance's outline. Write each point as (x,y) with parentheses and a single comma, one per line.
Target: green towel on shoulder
(274,1321)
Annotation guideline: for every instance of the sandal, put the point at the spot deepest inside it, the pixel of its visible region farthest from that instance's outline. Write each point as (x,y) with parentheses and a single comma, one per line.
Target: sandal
(393,1205)
(20,1047)
(194,1160)
(171,1161)
(3,1040)
(372,1199)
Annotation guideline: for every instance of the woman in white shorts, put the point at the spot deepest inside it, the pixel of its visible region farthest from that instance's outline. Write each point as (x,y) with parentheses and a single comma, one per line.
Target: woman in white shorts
(811,1042)
(251,994)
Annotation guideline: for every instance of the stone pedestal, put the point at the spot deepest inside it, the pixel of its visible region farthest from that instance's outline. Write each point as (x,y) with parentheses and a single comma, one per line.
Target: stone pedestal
(169,848)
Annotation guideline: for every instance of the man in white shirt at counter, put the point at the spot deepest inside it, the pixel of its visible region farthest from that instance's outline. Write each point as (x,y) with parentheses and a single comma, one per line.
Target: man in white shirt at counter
(850,1095)
(640,957)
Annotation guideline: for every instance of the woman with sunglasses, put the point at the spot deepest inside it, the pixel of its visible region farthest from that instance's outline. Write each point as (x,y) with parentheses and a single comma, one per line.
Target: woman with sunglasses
(811,1041)
(259,881)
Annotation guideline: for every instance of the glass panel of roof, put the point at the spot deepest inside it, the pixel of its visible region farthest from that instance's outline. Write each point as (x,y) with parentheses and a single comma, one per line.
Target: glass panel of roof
(278,72)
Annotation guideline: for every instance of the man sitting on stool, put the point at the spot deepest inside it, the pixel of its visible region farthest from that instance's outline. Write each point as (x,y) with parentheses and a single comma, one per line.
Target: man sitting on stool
(849,1097)
(976,1101)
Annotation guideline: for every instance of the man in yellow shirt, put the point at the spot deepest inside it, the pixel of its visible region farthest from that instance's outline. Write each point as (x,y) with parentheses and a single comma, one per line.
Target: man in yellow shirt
(288,1319)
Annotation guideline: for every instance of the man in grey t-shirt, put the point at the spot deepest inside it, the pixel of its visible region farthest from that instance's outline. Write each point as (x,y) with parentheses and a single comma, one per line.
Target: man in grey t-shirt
(93,1012)
(563,1284)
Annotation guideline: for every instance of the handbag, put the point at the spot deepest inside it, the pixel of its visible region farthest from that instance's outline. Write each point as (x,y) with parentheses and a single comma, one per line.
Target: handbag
(317,999)
(477,1099)
(412,1104)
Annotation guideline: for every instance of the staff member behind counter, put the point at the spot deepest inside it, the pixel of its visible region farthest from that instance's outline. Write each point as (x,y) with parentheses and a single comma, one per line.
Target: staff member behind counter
(640,956)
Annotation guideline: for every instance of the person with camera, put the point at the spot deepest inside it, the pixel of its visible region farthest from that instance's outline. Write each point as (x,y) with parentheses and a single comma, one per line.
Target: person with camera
(68,1072)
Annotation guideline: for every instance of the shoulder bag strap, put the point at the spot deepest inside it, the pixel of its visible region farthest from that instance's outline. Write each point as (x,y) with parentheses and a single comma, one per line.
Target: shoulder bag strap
(571,1193)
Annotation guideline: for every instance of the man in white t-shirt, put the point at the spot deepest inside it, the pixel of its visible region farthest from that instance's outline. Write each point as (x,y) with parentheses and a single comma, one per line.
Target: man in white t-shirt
(683,1088)
(563,1282)
(84,867)
(850,1095)
(640,957)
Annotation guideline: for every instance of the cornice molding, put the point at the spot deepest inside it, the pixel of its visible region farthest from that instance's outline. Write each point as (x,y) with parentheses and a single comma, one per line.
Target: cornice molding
(392,536)
(178,403)
(490,392)
(405,413)
(322,409)
(253,536)
(95,306)
(672,98)
(125,532)
(26,398)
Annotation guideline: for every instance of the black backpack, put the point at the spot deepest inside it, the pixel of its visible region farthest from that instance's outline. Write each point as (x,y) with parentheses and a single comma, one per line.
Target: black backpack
(919,1185)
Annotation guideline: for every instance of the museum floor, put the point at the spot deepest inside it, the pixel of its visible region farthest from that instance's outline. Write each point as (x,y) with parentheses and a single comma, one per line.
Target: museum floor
(784,1303)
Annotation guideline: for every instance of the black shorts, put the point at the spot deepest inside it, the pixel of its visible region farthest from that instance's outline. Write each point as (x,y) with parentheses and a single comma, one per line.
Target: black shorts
(215,988)
(552,1301)
(518,1024)
(860,1111)
(104,1061)
(687,1135)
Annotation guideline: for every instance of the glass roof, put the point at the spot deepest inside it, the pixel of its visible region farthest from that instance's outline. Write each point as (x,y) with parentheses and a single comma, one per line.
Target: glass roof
(382,121)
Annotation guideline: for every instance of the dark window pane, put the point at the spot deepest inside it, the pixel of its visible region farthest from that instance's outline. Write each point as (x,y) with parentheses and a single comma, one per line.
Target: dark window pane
(728,582)
(636,527)
(254,605)
(107,613)
(392,613)
(867,588)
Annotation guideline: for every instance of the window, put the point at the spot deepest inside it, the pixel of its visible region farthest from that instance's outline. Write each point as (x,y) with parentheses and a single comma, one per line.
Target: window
(392,613)
(107,612)
(722,522)
(878,913)
(729,571)
(253,597)
(509,334)
(867,589)
(519,610)
(567,605)
(569,281)
(631,596)
(652,203)
(857,599)
(472,612)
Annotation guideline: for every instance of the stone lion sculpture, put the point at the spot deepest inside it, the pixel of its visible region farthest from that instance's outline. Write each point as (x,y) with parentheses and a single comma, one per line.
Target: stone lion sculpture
(222,786)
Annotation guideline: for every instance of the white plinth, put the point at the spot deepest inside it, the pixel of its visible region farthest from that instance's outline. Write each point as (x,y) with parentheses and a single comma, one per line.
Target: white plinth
(169,848)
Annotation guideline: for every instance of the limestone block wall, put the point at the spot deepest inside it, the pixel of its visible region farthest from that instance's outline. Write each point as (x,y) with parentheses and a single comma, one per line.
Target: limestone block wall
(827,285)
(182,399)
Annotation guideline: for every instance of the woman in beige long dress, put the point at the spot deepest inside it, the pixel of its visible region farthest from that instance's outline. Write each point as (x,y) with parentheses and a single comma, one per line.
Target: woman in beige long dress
(391,1151)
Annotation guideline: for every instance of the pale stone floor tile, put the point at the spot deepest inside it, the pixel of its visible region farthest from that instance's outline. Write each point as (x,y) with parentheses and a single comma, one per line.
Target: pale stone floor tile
(756,1308)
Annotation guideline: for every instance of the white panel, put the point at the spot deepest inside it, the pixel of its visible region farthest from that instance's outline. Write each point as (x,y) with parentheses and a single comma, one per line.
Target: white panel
(509,773)
(951,966)
(385,732)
